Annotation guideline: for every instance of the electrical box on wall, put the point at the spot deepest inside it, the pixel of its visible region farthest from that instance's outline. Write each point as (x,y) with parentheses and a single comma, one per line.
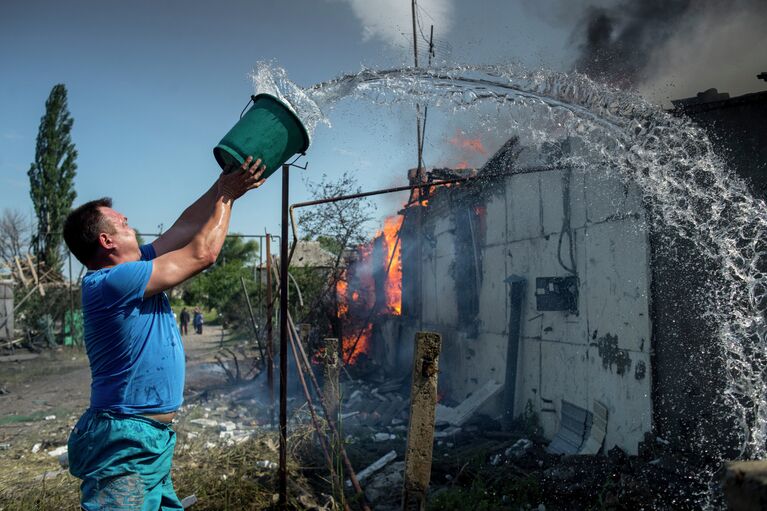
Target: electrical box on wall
(556,294)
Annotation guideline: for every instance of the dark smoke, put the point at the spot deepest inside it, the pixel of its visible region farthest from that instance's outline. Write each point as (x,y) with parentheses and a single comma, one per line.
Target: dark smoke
(635,42)
(618,41)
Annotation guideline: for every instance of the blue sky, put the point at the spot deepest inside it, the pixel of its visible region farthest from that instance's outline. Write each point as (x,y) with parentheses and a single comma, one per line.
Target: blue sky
(154,85)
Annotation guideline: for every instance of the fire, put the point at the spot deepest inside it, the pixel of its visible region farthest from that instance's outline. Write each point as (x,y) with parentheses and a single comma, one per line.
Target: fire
(358,299)
(343,305)
(467,144)
(391,229)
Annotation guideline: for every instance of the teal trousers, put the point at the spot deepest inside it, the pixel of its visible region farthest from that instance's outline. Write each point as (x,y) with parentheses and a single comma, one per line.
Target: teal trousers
(124,462)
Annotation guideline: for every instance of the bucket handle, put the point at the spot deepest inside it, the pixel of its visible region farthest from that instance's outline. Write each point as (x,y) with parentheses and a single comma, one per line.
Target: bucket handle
(251,100)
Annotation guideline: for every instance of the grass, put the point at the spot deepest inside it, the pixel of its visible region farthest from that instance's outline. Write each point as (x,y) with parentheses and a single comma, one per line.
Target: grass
(224,478)
(512,493)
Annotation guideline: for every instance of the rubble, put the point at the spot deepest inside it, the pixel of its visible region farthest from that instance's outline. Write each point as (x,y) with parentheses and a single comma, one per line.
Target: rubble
(375,467)
(189,501)
(459,415)
(268,465)
(62,454)
(383,490)
(205,423)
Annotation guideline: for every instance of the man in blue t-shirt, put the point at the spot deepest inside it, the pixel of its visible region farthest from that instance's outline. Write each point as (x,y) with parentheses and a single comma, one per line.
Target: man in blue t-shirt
(122,446)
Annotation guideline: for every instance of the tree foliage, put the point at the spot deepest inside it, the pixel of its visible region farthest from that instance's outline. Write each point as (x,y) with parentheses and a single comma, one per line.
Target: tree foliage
(338,226)
(220,287)
(51,177)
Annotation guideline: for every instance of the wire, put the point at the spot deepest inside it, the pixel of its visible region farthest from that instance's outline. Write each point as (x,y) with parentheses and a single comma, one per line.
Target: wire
(566,228)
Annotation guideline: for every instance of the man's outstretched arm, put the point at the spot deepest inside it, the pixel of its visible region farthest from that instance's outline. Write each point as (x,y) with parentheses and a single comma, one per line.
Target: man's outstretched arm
(203,246)
(188,224)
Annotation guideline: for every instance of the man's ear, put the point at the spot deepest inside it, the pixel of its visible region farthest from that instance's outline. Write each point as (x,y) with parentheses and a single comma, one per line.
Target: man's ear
(105,240)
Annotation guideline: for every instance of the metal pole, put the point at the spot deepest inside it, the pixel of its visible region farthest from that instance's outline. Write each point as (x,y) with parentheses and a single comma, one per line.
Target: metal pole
(435,184)
(329,418)
(269,333)
(283,476)
(71,304)
(252,320)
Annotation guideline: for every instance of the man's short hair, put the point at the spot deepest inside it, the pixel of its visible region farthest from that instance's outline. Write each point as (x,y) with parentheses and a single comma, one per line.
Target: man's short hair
(83,226)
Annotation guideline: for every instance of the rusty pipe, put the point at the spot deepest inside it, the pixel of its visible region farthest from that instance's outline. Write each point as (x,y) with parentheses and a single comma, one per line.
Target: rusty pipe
(331,423)
(359,196)
(315,421)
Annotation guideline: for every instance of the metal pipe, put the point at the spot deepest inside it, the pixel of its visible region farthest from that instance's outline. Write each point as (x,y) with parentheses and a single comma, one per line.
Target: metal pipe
(260,236)
(315,421)
(382,191)
(329,418)
(283,475)
(331,423)
(269,333)
(359,196)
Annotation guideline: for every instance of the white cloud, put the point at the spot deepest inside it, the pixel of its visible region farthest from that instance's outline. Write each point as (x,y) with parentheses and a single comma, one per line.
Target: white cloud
(391,20)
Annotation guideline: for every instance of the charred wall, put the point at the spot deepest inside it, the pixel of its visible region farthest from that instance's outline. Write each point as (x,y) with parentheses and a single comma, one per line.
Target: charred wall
(737,128)
(688,373)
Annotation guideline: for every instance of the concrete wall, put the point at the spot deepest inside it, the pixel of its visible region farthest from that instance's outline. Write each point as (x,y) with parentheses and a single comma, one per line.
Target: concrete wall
(602,352)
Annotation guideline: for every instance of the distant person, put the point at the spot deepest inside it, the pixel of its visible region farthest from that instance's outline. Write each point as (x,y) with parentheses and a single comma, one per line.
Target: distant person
(123,444)
(184,320)
(198,321)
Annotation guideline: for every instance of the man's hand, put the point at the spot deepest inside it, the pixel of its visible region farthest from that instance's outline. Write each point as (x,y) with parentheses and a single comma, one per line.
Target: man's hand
(233,185)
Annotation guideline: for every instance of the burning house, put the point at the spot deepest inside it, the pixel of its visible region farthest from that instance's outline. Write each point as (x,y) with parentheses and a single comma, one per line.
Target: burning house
(555,296)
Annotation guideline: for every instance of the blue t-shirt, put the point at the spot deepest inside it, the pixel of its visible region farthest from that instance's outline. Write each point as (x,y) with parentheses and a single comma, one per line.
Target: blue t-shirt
(133,344)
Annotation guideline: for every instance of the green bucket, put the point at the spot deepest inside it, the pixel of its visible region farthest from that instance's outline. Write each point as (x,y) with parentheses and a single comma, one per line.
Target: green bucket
(269,130)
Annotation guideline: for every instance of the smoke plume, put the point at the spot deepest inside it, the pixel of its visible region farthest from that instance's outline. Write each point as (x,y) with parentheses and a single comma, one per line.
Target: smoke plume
(672,48)
(391,20)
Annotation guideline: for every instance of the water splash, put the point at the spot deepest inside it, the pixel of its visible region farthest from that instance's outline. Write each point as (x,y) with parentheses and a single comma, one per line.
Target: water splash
(691,190)
(268,78)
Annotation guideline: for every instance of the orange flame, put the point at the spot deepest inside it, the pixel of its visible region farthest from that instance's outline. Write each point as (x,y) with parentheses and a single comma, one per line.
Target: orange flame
(343,305)
(356,304)
(467,144)
(391,229)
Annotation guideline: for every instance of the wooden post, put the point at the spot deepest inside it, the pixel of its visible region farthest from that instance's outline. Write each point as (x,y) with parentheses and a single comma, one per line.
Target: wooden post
(330,388)
(420,435)
(19,268)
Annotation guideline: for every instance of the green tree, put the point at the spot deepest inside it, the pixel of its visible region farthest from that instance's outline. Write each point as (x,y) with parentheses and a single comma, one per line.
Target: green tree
(51,177)
(220,287)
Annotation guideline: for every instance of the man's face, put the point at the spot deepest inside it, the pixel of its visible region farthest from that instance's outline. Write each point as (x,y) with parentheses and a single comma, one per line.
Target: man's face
(122,240)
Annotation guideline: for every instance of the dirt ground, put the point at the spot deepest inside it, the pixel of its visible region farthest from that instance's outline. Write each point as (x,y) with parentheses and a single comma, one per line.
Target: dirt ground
(42,398)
